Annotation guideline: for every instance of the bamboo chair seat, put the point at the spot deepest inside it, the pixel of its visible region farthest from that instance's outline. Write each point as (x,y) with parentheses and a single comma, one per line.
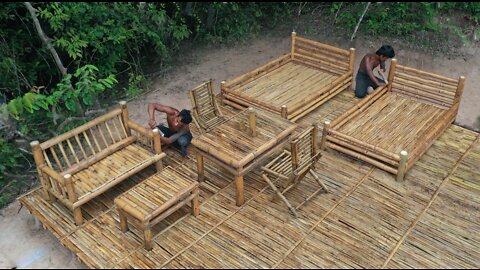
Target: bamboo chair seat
(290,167)
(206,113)
(126,160)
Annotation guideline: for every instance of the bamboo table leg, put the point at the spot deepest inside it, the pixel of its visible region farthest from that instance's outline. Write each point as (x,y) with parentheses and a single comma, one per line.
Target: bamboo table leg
(200,167)
(148,237)
(195,203)
(239,190)
(123,220)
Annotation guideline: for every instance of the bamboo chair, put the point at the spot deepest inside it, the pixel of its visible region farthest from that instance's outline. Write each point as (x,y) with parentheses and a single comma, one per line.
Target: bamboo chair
(206,113)
(291,167)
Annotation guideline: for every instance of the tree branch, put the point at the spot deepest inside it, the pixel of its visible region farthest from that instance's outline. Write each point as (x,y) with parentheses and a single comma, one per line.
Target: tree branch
(359,21)
(46,40)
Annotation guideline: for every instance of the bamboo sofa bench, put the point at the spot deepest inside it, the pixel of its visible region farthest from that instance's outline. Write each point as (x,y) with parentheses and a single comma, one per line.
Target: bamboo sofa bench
(79,165)
(296,83)
(393,127)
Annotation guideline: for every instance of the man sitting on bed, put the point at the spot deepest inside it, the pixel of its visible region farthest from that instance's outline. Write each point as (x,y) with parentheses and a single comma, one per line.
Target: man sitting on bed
(178,131)
(366,81)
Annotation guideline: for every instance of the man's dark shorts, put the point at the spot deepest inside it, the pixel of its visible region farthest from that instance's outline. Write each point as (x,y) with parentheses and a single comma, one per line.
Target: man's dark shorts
(182,141)
(362,82)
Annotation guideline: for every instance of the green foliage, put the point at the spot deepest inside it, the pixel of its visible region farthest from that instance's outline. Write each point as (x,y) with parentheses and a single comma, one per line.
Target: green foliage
(9,160)
(135,85)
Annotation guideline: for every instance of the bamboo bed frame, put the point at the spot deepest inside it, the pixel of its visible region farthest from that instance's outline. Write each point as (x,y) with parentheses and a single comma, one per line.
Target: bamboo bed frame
(296,83)
(394,126)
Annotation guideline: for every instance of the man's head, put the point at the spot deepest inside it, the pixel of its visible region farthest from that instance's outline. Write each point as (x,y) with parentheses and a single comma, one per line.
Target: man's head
(185,116)
(386,51)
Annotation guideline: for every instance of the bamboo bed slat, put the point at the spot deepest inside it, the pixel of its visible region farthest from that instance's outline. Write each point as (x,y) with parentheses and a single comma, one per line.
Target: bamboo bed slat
(307,77)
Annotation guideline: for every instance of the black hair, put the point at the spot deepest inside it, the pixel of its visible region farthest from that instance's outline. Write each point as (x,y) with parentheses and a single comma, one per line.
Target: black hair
(186,116)
(386,50)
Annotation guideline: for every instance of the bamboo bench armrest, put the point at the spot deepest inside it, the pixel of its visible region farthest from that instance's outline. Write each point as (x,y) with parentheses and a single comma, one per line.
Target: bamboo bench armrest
(140,129)
(53,174)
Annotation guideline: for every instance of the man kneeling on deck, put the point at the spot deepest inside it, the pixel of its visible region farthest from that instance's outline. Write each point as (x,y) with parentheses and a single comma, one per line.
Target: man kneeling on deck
(366,81)
(178,131)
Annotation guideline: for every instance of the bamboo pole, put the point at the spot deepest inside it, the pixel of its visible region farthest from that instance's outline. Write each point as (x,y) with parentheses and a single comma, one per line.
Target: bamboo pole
(72,197)
(294,34)
(252,122)
(325,68)
(233,104)
(79,129)
(402,86)
(252,100)
(322,51)
(157,147)
(39,162)
(326,127)
(368,146)
(428,74)
(284,112)
(123,107)
(320,58)
(403,166)
(363,157)
(447,88)
(195,202)
(279,194)
(200,167)
(391,73)
(240,199)
(351,60)
(424,87)
(459,91)
(321,45)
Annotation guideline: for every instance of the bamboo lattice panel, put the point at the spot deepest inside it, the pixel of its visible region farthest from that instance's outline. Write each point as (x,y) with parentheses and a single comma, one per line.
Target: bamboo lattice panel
(393,122)
(367,220)
(287,84)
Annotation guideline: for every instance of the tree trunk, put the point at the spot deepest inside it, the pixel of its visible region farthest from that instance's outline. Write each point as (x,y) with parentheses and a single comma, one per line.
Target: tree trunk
(359,21)
(46,40)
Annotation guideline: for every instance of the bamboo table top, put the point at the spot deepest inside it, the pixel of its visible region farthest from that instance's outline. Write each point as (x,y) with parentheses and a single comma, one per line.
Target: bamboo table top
(393,122)
(156,191)
(287,84)
(236,147)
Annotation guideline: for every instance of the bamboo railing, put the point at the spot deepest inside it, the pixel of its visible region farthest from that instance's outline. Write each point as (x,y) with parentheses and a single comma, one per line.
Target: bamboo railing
(417,85)
(63,160)
(327,59)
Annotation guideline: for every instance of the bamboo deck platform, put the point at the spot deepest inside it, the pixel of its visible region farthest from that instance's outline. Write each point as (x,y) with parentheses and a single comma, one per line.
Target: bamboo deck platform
(368,220)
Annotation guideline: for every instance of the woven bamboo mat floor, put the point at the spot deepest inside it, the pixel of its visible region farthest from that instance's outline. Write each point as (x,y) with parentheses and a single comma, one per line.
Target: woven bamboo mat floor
(367,220)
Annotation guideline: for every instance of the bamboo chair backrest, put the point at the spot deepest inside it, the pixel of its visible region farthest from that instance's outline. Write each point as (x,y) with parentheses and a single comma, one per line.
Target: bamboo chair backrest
(425,86)
(77,148)
(204,105)
(304,150)
(329,58)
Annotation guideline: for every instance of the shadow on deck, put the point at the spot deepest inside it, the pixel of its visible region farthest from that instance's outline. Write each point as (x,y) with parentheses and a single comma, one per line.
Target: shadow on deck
(368,220)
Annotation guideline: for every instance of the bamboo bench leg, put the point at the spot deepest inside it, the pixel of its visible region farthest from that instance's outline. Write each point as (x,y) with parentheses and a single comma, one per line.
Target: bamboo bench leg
(77,215)
(292,209)
(195,203)
(123,220)
(239,190)
(148,237)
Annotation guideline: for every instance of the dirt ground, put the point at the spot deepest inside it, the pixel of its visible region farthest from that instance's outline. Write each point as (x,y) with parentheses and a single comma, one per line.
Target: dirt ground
(24,244)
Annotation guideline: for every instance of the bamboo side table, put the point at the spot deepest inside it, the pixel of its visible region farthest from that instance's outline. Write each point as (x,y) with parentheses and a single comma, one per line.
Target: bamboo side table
(156,198)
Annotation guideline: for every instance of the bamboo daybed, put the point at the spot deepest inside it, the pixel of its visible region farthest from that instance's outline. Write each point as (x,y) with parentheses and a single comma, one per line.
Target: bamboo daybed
(394,126)
(296,83)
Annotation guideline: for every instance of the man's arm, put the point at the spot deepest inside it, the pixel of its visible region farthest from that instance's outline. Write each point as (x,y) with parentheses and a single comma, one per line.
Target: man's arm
(152,107)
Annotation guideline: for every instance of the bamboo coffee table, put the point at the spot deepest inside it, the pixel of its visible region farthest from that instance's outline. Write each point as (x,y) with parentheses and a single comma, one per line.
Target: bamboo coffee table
(154,199)
(242,143)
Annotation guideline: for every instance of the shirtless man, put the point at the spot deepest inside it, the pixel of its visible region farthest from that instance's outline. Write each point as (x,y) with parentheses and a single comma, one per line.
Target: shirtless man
(178,131)
(366,81)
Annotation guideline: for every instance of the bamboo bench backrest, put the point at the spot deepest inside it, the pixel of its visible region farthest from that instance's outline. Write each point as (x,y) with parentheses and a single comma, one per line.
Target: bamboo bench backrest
(326,57)
(304,150)
(425,86)
(203,101)
(75,149)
